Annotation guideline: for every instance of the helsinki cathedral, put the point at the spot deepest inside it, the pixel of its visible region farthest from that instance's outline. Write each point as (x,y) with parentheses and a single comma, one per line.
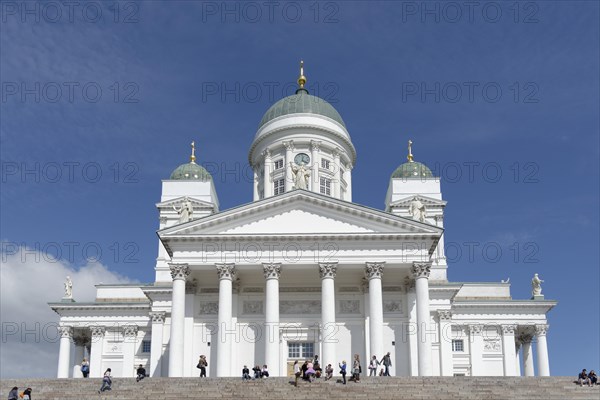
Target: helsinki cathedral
(301,271)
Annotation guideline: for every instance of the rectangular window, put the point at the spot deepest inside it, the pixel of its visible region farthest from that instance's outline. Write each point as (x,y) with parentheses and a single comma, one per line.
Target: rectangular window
(458,345)
(279,186)
(325,186)
(146,346)
(301,350)
(324,163)
(279,163)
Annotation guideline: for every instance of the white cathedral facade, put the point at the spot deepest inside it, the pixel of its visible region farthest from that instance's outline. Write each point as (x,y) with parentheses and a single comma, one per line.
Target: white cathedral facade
(302,270)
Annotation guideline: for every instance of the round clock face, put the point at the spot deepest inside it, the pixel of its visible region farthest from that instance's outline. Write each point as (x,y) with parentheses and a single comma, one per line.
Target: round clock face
(302,158)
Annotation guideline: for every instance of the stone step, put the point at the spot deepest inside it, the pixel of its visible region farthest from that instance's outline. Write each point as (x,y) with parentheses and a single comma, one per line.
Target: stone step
(432,388)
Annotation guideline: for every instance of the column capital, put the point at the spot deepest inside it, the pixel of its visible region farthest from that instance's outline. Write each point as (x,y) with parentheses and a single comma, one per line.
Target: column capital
(272,270)
(374,269)
(525,338)
(444,315)
(509,329)
(475,329)
(315,145)
(65,331)
(98,331)
(179,271)
(226,270)
(266,153)
(541,329)
(289,145)
(158,317)
(328,270)
(439,217)
(130,331)
(421,269)
(336,152)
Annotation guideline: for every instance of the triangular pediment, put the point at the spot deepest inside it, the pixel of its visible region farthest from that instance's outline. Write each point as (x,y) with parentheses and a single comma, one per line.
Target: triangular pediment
(179,200)
(300,212)
(426,200)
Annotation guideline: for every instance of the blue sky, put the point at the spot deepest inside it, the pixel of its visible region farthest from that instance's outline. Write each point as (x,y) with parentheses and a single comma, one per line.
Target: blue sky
(503,88)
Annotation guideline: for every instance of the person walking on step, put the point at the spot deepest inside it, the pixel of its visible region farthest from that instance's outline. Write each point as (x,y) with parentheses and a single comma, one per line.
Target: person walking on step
(202,364)
(387,363)
(106,381)
(85,368)
(373,366)
(343,371)
(141,373)
(14,394)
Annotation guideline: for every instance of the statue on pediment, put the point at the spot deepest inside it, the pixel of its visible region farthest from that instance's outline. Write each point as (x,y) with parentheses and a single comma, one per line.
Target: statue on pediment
(68,288)
(186,211)
(417,210)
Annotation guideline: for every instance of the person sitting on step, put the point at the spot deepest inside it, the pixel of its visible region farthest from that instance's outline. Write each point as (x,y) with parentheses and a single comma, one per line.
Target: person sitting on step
(328,372)
(245,373)
(265,371)
(593,377)
(256,371)
(141,373)
(583,378)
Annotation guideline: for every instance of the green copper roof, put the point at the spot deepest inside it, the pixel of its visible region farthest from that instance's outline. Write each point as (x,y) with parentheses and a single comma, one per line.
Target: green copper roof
(191,171)
(412,170)
(299,103)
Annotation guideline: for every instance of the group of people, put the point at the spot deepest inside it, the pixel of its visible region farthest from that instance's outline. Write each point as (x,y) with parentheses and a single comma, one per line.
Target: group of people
(311,370)
(15,395)
(257,371)
(586,378)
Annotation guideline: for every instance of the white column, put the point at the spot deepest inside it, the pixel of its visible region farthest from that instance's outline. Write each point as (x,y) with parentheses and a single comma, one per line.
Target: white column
(129,346)
(518,357)
(272,271)
(256,196)
(374,272)
(226,273)
(508,348)
(445,335)
(156,344)
(79,354)
(289,158)
(411,331)
(420,272)
(337,175)
(327,272)
(64,354)
(527,354)
(349,183)
(542,350)
(476,349)
(179,273)
(315,147)
(96,350)
(267,184)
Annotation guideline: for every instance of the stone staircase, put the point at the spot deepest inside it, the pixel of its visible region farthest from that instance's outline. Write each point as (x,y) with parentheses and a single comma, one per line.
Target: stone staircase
(380,388)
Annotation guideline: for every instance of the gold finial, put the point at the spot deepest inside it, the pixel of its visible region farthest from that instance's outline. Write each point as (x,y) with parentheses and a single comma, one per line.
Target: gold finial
(410,156)
(193,156)
(301,78)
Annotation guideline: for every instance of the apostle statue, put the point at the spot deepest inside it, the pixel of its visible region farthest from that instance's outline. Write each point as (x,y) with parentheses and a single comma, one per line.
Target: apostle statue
(536,286)
(301,175)
(68,288)
(186,211)
(417,210)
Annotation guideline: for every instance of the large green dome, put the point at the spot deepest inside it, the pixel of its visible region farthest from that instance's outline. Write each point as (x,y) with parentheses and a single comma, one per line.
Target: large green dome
(300,103)
(412,169)
(191,171)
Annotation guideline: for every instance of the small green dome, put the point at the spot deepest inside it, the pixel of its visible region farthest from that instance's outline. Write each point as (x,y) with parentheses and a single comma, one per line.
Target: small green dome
(412,169)
(300,103)
(191,171)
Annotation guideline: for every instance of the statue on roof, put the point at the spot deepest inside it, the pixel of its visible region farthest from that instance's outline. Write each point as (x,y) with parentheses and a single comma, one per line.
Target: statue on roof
(536,286)
(68,288)
(417,210)
(186,212)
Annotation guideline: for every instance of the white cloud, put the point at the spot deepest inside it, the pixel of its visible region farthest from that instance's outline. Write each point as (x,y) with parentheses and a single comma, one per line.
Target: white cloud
(28,281)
